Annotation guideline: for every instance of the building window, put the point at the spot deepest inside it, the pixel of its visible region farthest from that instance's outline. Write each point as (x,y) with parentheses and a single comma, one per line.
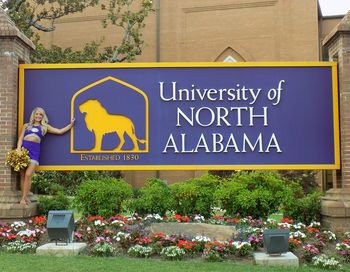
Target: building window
(229,59)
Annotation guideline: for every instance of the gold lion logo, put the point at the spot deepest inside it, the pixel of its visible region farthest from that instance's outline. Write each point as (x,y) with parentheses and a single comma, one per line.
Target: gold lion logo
(100,122)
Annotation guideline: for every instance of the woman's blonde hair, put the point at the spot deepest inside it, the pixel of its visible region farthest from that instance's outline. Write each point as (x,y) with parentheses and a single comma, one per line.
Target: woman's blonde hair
(44,120)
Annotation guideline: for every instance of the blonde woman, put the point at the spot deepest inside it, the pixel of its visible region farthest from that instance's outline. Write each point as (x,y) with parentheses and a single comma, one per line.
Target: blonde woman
(30,138)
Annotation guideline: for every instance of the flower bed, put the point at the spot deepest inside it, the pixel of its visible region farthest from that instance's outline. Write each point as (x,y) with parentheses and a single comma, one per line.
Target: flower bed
(128,235)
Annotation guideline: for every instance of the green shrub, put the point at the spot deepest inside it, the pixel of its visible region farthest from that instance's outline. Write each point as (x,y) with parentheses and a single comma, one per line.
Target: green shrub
(256,193)
(102,197)
(304,209)
(154,197)
(305,178)
(69,180)
(55,202)
(55,189)
(195,196)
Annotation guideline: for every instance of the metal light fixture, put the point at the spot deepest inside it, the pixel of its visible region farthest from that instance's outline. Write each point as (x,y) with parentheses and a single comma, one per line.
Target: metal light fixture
(276,241)
(60,226)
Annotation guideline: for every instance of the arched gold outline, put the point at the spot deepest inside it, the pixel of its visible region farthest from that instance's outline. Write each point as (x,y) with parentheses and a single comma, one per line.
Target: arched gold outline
(97,83)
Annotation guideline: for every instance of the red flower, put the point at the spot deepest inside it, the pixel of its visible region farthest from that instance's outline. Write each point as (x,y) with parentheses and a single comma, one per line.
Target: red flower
(294,241)
(27,239)
(181,218)
(39,220)
(93,218)
(185,219)
(143,240)
(216,243)
(313,229)
(185,244)
(177,217)
(11,236)
(287,220)
(158,236)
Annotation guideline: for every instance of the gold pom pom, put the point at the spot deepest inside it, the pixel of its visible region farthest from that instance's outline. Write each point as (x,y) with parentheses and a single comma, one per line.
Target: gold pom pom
(18,160)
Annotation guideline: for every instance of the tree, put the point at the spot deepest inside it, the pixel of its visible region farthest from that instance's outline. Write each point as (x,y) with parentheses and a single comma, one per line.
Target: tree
(41,14)
(127,16)
(56,54)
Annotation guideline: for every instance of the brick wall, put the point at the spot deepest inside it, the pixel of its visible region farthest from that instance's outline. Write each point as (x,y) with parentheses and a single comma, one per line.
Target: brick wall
(15,48)
(336,202)
(341,51)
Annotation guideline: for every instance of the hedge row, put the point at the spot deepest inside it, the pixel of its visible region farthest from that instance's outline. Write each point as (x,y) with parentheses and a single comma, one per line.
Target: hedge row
(256,194)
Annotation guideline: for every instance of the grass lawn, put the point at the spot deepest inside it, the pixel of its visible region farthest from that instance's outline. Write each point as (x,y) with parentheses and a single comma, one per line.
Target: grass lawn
(33,263)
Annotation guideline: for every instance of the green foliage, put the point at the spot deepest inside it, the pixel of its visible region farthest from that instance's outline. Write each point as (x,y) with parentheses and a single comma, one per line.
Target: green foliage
(128,16)
(306,178)
(47,182)
(154,197)
(56,202)
(56,54)
(103,196)
(304,209)
(41,14)
(257,193)
(195,196)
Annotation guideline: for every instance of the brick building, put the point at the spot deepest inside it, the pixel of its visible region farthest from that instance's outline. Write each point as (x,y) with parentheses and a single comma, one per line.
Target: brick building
(197,30)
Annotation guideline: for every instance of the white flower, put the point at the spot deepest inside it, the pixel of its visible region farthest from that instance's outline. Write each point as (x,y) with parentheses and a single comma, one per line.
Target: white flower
(27,233)
(121,235)
(299,226)
(131,218)
(315,224)
(99,223)
(200,238)
(217,210)
(18,224)
(118,222)
(172,252)
(239,244)
(199,218)
(271,221)
(154,216)
(140,251)
(20,246)
(331,235)
(297,234)
(284,225)
(323,261)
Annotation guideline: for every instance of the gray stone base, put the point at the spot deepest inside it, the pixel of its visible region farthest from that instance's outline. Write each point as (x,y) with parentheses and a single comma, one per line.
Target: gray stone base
(11,209)
(335,210)
(214,232)
(287,260)
(51,249)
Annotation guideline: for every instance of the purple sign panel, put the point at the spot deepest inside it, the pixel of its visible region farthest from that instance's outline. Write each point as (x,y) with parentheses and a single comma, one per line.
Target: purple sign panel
(186,116)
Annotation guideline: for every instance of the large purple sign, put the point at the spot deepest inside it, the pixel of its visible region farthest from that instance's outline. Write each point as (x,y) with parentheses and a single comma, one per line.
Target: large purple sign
(186,116)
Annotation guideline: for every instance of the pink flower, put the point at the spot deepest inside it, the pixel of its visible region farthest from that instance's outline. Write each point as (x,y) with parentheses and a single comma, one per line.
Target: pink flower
(99,239)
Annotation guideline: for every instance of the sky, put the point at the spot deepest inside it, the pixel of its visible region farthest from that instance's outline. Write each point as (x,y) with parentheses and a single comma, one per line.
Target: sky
(334,7)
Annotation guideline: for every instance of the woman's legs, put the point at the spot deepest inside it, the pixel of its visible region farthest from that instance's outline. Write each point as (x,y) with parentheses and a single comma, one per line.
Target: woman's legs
(27,183)
(22,173)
